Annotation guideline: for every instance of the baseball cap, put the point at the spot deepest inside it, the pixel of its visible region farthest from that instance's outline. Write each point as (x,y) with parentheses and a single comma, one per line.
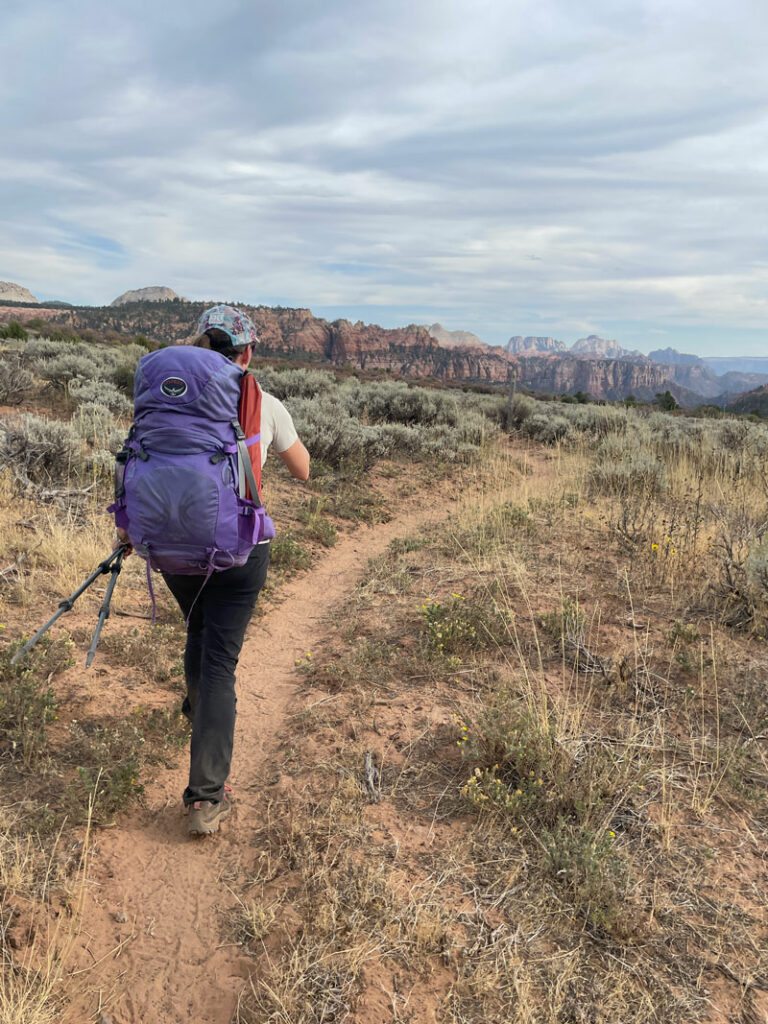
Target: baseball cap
(232,322)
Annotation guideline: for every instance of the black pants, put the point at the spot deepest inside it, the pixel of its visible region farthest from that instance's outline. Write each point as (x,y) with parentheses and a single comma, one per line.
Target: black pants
(220,613)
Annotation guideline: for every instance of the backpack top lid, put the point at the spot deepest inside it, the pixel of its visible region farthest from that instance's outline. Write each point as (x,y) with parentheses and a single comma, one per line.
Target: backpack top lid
(187,380)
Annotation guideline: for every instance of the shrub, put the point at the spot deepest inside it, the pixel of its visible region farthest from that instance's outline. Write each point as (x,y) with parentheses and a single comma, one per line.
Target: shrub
(333,437)
(124,377)
(546,429)
(103,393)
(295,383)
(641,474)
(44,348)
(392,402)
(15,380)
(757,569)
(62,369)
(43,451)
(96,424)
(13,330)
(519,409)
(587,865)
(100,465)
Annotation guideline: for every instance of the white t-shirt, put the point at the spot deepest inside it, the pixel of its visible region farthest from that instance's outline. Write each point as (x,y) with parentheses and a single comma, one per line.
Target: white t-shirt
(276,426)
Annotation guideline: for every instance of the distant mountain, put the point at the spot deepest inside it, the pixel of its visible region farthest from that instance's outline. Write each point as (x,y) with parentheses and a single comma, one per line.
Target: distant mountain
(671,357)
(155,294)
(595,347)
(753,401)
(454,339)
(10,292)
(734,383)
(542,346)
(295,334)
(737,364)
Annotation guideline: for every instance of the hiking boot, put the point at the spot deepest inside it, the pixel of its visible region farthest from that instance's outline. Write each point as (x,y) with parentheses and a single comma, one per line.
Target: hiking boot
(205,816)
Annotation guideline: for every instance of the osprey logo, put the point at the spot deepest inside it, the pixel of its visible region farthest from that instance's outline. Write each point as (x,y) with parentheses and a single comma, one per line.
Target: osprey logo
(174,387)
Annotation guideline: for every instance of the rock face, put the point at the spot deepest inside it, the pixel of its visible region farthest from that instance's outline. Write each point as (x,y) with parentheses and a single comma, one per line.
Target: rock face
(10,292)
(517,345)
(156,294)
(695,377)
(595,347)
(610,379)
(455,339)
(297,335)
(671,357)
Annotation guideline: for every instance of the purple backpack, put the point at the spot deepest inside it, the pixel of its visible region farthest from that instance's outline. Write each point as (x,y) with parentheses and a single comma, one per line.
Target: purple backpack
(180,481)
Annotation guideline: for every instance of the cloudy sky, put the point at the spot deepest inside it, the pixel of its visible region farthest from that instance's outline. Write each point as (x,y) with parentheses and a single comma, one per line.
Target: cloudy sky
(502,166)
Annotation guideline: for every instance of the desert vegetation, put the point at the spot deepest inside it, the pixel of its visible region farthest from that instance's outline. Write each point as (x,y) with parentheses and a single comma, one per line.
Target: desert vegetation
(546,800)
(528,764)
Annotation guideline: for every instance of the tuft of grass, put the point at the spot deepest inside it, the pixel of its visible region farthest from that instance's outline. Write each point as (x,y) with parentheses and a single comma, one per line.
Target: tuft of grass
(111,756)
(27,702)
(154,650)
(287,554)
(315,523)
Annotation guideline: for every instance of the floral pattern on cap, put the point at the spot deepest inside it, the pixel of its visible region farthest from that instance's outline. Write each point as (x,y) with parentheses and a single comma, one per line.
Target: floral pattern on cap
(230,320)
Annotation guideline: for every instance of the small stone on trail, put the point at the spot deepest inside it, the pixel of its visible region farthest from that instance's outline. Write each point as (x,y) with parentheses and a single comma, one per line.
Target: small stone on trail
(120,916)
(104,1018)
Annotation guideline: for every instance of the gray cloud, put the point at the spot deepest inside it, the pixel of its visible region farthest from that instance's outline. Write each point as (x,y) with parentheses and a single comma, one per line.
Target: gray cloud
(406,161)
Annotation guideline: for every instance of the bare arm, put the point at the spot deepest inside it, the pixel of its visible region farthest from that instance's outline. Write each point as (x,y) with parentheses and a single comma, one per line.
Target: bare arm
(296,459)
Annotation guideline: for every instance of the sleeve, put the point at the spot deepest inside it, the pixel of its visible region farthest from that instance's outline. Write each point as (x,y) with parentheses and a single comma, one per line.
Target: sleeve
(284,434)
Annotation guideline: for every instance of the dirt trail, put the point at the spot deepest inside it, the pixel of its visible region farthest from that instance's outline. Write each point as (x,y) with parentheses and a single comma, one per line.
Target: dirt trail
(166,962)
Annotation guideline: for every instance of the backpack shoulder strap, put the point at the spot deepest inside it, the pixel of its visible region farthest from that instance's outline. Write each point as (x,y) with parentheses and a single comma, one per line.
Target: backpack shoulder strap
(244,465)
(250,421)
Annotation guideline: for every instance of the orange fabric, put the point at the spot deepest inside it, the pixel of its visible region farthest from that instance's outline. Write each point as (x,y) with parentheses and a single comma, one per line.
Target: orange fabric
(250,421)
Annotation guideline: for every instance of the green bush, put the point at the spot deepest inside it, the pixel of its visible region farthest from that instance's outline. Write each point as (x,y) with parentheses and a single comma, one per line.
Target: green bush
(13,330)
(332,436)
(587,865)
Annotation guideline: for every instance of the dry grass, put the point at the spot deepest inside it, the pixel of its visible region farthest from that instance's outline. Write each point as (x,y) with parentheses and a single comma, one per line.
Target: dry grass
(42,888)
(570,740)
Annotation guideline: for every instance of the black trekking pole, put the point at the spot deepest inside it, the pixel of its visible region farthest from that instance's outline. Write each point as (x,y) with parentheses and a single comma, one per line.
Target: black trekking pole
(112,564)
(115,568)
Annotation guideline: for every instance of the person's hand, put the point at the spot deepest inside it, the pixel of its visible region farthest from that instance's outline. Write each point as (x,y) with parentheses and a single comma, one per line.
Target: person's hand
(121,537)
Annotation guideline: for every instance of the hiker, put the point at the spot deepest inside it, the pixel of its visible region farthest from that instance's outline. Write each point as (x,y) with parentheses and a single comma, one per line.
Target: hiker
(217,602)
